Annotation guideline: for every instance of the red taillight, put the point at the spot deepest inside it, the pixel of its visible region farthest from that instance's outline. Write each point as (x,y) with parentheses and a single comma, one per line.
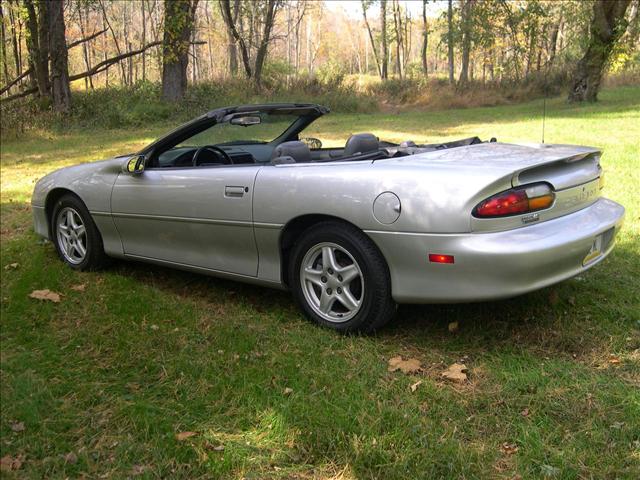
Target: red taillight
(516,201)
(439,258)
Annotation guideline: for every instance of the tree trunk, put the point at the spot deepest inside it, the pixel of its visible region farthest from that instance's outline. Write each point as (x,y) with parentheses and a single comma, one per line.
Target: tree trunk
(466,42)
(261,55)
(425,39)
(144,40)
(60,90)
(450,40)
(232,49)
(607,26)
(178,23)
(384,69)
(397,24)
(33,46)
(5,66)
(373,43)
(553,42)
(230,22)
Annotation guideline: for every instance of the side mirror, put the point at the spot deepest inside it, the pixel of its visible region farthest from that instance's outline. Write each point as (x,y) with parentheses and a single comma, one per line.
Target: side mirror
(135,165)
(312,143)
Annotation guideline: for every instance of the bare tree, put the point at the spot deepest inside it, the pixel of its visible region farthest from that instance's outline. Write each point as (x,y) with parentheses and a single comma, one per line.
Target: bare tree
(467,24)
(365,6)
(255,38)
(383,33)
(178,24)
(607,26)
(38,46)
(425,39)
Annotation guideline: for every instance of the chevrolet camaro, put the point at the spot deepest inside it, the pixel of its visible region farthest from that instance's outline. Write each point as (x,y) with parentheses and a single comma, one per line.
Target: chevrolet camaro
(351,229)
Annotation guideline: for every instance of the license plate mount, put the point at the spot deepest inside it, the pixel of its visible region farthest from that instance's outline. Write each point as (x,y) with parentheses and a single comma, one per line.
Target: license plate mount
(595,251)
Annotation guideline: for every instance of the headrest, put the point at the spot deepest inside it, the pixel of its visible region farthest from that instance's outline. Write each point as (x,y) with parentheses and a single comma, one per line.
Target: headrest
(361,143)
(296,150)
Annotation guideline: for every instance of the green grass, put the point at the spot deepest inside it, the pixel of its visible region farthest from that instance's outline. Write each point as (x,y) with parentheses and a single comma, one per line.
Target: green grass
(114,372)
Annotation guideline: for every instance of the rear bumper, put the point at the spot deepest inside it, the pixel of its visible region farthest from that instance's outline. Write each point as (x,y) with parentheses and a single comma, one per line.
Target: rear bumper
(497,265)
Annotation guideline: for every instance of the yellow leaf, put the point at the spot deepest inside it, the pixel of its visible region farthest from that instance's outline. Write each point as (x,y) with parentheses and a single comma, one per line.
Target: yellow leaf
(453,327)
(184,435)
(79,288)
(415,386)
(45,295)
(509,448)
(406,366)
(455,373)
(8,462)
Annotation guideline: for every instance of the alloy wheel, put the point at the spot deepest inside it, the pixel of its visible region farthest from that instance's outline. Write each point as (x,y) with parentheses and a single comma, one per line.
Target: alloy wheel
(332,282)
(71,234)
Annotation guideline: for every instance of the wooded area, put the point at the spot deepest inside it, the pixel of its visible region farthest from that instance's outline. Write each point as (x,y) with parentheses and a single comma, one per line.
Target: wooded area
(51,47)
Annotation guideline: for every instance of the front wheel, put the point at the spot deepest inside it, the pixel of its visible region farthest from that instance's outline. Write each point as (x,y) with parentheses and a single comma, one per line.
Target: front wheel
(340,279)
(75,235)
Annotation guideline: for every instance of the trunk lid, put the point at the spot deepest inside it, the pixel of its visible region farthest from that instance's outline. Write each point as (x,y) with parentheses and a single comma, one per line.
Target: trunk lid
(573,172)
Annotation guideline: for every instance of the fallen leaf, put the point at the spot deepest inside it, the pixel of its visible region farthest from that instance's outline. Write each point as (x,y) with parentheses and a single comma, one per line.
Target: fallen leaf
(614,360)
(154,327)
(455,373)
(70,458)
(79,288)
(406,366)
(554,298)
(453,327)
(287,391)
(12,266)
(138,470)
(525,412)
(17,426)
(184,435)
(415,386)
(8,463)
(572,301)
(509,448)
(45,295)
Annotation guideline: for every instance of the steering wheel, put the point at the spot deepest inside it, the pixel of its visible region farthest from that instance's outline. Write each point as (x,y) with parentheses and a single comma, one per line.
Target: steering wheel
(227,159)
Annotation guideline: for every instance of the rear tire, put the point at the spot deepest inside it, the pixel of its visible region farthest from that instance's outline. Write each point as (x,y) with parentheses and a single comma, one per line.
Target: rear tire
(340,279)
(75,235)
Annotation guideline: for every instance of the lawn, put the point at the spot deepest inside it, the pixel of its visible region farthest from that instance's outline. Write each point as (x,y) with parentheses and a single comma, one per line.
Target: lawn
(148,372)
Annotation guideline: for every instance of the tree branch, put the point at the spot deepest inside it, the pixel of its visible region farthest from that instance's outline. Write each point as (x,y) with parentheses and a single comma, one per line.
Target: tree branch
(86,39)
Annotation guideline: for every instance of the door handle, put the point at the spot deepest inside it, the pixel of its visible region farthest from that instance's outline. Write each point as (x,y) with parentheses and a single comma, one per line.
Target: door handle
(235,191)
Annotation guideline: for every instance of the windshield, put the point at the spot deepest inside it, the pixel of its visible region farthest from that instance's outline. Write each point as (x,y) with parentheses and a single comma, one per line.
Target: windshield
(271,126)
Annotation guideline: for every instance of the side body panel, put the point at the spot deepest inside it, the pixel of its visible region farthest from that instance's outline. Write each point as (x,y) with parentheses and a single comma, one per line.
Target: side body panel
(432,199)
(198,217)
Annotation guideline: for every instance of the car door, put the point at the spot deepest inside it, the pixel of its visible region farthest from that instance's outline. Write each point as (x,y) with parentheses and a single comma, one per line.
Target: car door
(196,216)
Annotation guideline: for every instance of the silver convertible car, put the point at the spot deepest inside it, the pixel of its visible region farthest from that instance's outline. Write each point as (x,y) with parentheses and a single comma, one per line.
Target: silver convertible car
(350,229)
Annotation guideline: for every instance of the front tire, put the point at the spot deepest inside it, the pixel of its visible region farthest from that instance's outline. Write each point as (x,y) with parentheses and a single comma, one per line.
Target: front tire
(340,279)
(75,235)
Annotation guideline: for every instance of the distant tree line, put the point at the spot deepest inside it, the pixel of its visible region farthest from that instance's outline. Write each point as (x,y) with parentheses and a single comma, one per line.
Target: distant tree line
(175,42)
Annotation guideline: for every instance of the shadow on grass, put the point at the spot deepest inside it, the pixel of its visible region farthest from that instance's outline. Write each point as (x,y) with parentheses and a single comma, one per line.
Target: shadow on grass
(571,318)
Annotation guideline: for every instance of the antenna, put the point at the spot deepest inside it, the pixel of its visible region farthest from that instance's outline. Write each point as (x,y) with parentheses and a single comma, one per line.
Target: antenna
(544,114)
(544,107)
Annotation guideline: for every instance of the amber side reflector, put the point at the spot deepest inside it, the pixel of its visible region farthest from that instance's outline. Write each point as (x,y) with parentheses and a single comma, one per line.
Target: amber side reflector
(439,258)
